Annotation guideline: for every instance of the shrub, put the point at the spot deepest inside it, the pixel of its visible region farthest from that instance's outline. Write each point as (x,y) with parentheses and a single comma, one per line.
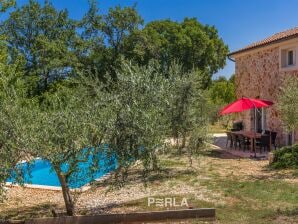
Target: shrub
(286,157)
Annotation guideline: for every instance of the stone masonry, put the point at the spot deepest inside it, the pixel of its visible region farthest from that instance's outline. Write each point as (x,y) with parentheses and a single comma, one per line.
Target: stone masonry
(258,76)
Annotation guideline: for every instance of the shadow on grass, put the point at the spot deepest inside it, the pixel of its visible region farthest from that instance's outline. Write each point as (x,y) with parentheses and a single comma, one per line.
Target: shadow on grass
(273,174)
(154,177)
(219,154)
(21,213)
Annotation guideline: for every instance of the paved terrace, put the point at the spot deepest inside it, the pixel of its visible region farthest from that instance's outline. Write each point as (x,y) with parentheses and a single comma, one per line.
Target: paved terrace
(220,144)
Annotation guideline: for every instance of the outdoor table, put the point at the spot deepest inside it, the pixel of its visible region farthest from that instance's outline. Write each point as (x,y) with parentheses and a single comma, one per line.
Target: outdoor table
(253,136)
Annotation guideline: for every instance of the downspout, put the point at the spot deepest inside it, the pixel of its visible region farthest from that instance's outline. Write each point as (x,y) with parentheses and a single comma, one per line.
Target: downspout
(229,57)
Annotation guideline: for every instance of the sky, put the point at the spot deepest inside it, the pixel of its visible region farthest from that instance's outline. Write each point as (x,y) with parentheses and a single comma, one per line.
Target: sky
(239,22)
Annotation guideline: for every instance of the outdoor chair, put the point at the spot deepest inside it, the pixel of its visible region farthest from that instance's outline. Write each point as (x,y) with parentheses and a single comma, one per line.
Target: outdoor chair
(229,139)
(243,142)
(234,140)
(264,143)
(267,132)
(237,126)
(273,135)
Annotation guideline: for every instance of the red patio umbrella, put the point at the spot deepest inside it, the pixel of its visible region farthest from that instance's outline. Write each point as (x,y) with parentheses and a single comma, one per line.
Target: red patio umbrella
(244,104)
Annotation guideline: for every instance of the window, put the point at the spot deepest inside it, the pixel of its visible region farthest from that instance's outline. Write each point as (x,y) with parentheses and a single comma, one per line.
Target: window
(290,57)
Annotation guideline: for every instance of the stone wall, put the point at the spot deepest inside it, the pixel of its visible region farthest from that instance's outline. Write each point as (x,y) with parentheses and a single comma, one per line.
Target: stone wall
(258,76)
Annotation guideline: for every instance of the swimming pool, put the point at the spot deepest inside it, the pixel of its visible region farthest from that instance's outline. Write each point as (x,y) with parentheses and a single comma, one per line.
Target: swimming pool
(40,172)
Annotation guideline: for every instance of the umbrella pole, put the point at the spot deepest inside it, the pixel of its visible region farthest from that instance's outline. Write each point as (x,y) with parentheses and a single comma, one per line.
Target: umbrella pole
(255,119)
(255,127)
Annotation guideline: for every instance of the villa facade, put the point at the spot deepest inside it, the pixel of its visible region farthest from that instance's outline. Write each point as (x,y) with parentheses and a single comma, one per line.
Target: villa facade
(260,71)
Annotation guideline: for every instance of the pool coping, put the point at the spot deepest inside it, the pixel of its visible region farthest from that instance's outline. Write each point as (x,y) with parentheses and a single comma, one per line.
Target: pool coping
(84,188)
(54,188)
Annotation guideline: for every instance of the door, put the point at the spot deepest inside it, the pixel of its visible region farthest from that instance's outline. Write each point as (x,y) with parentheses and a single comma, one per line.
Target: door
(259,120)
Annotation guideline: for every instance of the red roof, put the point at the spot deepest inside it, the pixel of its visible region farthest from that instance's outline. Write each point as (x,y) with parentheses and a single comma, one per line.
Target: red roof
(278,37)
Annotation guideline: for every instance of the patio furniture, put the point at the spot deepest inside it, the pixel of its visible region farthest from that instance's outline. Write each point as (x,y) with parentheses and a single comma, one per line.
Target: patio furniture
(229,139)
(237,126)
(273,135)
(234,140)
(264,143)
(267,132)
(252,137)
(243,142)
(243,104)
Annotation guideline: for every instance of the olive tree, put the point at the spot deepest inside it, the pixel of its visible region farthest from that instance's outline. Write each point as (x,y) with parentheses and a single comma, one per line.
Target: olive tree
(5,4)
(11,93)
(68,126)
(188,110)
(287,103)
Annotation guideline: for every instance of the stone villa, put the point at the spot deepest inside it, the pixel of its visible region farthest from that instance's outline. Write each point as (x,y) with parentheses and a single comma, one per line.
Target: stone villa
(260,70)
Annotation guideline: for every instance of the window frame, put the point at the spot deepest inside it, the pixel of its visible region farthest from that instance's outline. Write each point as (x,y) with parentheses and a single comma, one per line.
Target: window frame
(287,57)
(284,57)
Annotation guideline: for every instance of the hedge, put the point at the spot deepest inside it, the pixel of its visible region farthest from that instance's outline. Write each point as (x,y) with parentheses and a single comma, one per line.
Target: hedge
(286,157)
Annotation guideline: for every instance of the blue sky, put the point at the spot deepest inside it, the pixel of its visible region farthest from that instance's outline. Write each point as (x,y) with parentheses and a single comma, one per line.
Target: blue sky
(239,22)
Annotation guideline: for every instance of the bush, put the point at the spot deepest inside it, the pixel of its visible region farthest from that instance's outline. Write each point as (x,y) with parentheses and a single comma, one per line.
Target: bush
(286,157)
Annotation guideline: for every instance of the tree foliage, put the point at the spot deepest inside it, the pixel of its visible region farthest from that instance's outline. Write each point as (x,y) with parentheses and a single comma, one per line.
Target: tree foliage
(45,37)
(287,103)
(188,111)
(88,116)
(6,4)
(105,36)
(10,152)
(68,87)
(196,46)
(222,91)
(55,46)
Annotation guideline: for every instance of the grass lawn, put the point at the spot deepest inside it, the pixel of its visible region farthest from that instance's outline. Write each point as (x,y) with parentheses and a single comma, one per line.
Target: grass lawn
(241,190)
(216,128)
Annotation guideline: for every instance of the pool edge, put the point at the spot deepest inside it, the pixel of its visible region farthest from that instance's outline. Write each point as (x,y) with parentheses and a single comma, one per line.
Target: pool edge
(54,188)
(84,188)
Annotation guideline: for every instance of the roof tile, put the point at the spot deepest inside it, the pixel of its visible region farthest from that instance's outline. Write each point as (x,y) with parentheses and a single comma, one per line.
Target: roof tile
(284,35)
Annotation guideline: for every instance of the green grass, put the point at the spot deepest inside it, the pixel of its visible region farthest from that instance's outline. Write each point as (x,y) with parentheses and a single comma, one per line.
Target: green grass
(42,210)
(259,201)
(142,205)
(238,197)
(255,200)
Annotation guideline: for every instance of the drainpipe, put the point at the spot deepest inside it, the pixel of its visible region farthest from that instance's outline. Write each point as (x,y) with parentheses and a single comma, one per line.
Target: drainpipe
(229,57)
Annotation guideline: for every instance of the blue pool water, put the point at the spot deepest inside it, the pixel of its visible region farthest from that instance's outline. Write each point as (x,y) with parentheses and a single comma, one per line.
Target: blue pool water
(40,171)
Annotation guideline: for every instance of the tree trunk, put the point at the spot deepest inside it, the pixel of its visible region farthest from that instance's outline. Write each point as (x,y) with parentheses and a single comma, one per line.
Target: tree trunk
(183,140)
(69,204)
